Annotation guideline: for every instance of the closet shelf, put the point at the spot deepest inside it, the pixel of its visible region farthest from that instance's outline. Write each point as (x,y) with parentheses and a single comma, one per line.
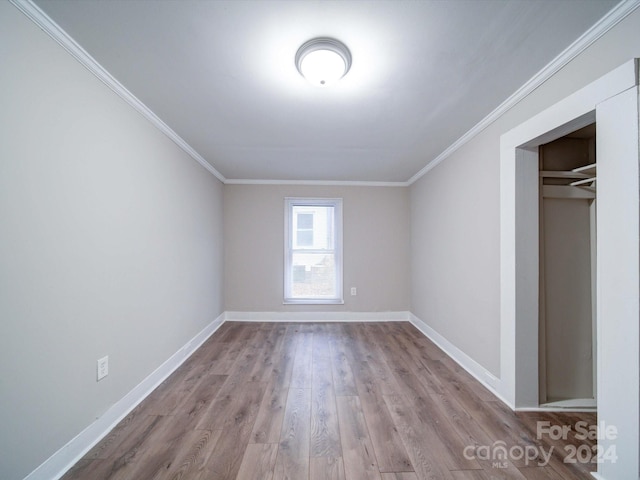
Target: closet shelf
(577,183)
(563,174)
(588,169)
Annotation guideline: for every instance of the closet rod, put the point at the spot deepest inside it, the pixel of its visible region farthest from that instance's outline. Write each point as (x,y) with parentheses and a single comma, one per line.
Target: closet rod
(582,182)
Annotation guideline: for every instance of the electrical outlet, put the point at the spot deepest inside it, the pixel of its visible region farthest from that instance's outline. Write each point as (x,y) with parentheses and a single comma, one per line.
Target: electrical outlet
(354,291)
(103,367)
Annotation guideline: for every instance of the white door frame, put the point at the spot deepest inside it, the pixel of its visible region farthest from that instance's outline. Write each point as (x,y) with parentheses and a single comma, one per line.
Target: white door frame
(612,101)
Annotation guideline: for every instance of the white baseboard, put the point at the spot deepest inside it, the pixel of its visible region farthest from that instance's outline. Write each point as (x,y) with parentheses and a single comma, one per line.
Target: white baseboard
(75,449)
(480,373)
(317,316)
(61,461)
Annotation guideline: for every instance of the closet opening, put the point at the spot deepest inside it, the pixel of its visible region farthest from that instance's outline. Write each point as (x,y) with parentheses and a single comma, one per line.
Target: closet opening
(567,275)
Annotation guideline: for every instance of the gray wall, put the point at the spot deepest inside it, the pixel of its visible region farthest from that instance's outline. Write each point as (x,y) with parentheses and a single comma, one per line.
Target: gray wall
(455,212)
(376,247)
(455,254)
(111,239)
(110,244)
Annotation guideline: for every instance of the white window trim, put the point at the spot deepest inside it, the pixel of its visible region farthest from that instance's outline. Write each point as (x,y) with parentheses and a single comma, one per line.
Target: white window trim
(289,203)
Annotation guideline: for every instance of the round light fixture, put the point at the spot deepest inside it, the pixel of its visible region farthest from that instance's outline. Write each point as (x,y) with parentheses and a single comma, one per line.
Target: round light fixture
(323,61)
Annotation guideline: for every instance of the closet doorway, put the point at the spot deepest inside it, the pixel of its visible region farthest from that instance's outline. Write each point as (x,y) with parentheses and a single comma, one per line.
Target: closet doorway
(567,290)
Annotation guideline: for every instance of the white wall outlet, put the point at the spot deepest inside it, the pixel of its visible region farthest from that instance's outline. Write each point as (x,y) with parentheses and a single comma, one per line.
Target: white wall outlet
(354,291)
(103,367)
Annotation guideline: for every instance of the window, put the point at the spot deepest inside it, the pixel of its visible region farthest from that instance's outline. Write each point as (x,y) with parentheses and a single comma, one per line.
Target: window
(304,229)
(313,250)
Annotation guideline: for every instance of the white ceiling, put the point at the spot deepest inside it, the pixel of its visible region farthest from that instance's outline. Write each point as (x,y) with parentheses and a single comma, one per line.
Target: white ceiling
(221,74)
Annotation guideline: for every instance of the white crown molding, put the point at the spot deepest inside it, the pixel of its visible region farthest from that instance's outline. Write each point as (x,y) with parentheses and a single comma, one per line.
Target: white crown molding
(42,20)
(612,18)
(336,183)
(606,23)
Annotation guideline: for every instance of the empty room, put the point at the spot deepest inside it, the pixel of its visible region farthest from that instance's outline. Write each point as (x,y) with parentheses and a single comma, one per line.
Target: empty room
(319,239)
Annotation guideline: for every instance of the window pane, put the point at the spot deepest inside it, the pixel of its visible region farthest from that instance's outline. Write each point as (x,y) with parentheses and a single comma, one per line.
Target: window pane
(314,275)
(313,226)
(305,238)
(305,221)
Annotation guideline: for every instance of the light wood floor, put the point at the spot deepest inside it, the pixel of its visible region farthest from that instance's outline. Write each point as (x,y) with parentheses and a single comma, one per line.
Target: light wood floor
(327,401)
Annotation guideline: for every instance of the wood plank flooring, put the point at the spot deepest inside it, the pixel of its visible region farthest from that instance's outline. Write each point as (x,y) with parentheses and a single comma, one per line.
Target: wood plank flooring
(323,401)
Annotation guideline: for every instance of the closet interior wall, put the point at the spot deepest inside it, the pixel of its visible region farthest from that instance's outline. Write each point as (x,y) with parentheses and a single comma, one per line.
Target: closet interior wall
(567,270)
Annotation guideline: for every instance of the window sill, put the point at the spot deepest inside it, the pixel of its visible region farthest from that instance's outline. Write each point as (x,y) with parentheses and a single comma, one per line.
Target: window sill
(313,301)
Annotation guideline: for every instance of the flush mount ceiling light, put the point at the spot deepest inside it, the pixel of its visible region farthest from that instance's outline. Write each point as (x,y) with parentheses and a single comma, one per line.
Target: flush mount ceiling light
(323,61)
